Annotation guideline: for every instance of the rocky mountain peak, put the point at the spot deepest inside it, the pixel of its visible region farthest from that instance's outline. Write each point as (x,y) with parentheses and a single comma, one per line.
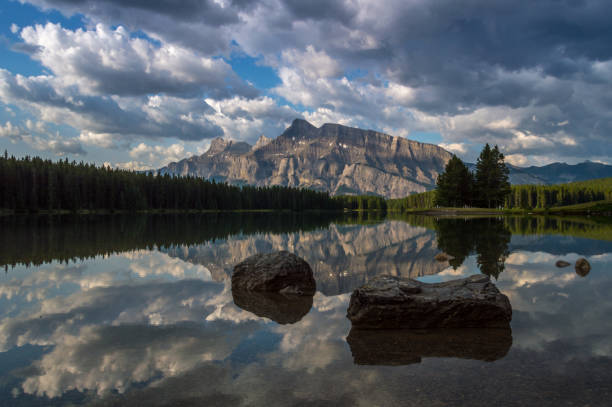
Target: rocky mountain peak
(300,128)
(262,141)
(217,145)
(333,157)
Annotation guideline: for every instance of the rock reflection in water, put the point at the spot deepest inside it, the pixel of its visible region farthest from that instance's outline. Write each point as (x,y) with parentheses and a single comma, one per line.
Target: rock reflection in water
(403,347)
(280,308)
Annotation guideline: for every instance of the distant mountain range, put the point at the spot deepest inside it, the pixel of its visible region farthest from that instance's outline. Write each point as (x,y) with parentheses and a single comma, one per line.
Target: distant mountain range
(346,160)
(557,173)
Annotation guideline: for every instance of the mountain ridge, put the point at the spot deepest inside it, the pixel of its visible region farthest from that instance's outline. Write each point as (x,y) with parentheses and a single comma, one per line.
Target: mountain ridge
(348,160)
(334,158)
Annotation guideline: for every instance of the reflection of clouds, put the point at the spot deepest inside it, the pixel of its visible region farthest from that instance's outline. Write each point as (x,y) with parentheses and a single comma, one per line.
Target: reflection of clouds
(158,303)
(555,305)
(33,285)
(147,264)
(225,309)
(459,272)
(106,358)
(318,339)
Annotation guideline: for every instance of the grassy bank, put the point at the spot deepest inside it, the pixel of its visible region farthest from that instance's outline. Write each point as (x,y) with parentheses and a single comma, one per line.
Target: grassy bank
(602,208)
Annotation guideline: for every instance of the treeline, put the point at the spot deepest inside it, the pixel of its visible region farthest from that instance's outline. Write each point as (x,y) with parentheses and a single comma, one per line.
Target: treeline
(525,196)
(547,196)
(423,200)
(33,184)
(361,202)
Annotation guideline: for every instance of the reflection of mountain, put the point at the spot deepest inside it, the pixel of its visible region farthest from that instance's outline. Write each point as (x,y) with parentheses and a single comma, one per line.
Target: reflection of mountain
(403,347)
(342,257)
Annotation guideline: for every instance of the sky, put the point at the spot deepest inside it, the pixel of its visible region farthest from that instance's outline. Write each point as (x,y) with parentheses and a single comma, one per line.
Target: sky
(138,84)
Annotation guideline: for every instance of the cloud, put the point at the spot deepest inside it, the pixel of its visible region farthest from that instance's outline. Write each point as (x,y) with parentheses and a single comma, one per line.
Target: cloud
(56,145)
(104,61)
(457,148)
(104,140)
(152,117)
(47,142)
(483,71)
(11,131)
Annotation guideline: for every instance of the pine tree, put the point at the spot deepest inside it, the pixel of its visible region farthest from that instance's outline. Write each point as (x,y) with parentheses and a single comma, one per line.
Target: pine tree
(491,179)
(454,186)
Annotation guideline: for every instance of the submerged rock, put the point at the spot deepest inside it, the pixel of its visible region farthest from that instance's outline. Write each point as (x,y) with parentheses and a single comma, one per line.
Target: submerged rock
(280,272)
(281,308)
(561,263)
(393,303)
(443,257)
(583,267)
(405,346)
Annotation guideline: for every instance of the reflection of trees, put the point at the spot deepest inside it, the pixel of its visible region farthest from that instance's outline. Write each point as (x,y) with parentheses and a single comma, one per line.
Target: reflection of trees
(41,239)
(488,238)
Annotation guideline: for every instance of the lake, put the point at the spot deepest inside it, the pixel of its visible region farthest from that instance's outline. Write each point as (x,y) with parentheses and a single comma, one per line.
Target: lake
(138,310)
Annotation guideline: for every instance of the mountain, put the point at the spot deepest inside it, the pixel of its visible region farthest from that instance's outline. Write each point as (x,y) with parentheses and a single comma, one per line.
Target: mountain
(346,160)
(555,173)
(558,173)
(334,158)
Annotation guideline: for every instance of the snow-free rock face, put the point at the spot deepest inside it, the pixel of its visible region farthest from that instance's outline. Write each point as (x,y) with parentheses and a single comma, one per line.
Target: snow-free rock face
(332,158)
(394,303)
(278,272)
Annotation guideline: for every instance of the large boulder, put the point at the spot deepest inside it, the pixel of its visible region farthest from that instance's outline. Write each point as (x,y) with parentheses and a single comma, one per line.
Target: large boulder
(406,346)
(280,272)
(393,303)
(280,308)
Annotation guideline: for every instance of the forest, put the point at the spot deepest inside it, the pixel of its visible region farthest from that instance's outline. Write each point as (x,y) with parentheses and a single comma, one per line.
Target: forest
(526,196)
(33,185)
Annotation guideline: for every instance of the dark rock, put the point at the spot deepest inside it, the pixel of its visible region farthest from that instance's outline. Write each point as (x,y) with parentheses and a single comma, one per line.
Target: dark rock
(393,303)
(582,267)
(281,308)
(405,346)
(561,263)
(280,272)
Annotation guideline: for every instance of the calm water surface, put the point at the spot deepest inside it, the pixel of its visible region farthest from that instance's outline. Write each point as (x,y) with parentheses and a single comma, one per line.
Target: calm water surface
(139,311)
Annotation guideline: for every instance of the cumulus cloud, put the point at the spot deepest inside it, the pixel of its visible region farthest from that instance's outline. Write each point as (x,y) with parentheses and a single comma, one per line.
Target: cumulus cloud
(10,131)
(457,148)
(516,75)
(153,117)
(47,142)
(111,61)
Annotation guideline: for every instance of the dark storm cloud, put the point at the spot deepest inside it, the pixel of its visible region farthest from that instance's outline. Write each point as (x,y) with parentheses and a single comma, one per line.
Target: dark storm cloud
(205,11)
(321,10)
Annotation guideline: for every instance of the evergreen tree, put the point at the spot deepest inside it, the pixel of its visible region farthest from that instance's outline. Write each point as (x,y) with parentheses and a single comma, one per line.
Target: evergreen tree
(491,179)
(454,186)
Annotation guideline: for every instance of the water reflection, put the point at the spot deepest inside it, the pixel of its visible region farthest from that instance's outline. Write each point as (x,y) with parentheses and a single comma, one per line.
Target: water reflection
(403,347)
(281,308)
(159,326)
(487,237)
